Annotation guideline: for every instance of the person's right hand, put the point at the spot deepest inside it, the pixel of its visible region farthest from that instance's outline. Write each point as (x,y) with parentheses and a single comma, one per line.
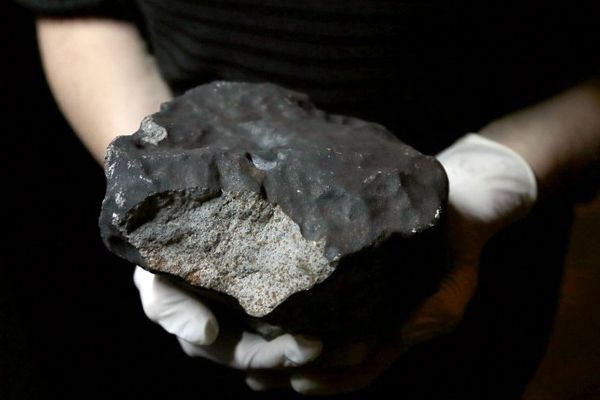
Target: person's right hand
(490,187)
(197,330)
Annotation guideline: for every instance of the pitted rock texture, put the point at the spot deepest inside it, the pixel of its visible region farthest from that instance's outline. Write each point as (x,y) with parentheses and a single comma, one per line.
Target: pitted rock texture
(250,191)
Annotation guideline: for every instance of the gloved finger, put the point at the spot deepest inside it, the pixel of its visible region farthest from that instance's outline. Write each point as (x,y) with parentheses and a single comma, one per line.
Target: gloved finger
(254,352)
(246,350)
(268,380)
(442,312)
(175,310)
(315,381)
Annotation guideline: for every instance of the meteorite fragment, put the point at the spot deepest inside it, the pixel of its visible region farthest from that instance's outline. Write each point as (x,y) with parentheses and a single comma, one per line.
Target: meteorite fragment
(248,193)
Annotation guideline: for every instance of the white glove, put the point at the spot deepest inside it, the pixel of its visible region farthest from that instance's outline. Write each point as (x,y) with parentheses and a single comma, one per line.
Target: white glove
(491,186)
(197,330)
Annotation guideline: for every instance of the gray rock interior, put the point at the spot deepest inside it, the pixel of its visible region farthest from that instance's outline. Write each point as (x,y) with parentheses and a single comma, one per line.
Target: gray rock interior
(236,243)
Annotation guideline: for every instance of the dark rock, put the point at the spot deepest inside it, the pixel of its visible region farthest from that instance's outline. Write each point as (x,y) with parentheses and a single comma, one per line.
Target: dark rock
(248,193)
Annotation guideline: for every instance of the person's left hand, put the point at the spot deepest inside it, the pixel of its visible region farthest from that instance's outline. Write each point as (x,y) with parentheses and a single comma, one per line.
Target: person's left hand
(491,187)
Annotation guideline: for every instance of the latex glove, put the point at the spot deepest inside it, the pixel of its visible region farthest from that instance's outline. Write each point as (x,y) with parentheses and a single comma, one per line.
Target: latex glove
(491,187)
(197,330)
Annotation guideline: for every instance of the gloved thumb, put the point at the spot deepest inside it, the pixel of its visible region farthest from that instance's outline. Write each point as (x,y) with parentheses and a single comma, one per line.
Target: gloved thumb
(178,312)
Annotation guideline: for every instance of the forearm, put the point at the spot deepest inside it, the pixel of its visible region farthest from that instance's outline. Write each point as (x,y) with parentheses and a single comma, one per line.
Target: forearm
(102,77)
(560,138)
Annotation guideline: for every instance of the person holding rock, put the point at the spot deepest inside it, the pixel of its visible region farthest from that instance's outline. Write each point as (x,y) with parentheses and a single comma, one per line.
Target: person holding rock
(428,72)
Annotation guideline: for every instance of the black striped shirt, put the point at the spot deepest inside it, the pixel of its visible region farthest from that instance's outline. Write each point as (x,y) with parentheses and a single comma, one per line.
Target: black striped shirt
(429,71)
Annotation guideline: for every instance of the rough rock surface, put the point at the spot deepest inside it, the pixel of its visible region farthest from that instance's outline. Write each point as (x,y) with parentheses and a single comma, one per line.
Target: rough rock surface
(250,191)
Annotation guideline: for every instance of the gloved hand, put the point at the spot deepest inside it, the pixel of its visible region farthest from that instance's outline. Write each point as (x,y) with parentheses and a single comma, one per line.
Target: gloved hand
(199,335)
(491,187)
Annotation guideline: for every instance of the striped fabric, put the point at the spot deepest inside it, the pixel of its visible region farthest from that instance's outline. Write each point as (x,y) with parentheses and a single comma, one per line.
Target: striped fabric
(360,57)
(323,47)
(428,70)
